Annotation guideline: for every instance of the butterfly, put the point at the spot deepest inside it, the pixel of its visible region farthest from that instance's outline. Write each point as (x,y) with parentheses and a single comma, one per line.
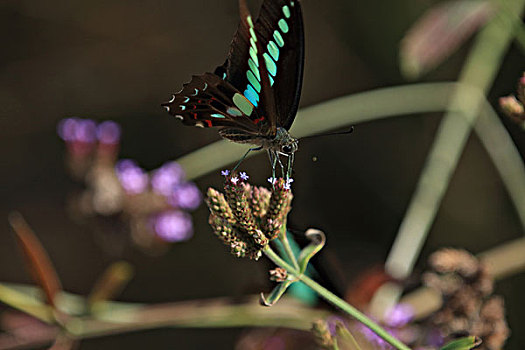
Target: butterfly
(254,96)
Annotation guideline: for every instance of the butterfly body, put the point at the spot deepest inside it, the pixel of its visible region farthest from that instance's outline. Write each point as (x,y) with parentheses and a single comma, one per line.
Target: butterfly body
(253,97)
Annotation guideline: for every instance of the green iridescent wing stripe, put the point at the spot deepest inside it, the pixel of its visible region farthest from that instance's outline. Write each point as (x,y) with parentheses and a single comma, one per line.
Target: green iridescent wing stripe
(279,30)
(208,101)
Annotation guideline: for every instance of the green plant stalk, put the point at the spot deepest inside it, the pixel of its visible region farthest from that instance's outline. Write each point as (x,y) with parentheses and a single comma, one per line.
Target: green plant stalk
(333,114)
(335,300)
(476,77)
(283,238)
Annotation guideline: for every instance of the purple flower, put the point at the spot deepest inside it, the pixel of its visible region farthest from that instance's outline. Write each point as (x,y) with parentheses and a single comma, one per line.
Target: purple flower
(166,178)
(399,315)
(272,180)
(234,179)
(186,196)
(244,176)
(108,132)
(225,172)
(77,130)
(173,226)
(133,178)
(66,129)
(372,337)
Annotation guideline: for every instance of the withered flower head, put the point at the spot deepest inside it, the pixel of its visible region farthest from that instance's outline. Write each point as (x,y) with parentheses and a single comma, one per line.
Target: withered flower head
(278,274)
(514,107)
(247,217)
(468,304)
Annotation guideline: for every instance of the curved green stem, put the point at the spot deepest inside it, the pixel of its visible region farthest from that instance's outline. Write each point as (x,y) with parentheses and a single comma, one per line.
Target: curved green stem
(336,301)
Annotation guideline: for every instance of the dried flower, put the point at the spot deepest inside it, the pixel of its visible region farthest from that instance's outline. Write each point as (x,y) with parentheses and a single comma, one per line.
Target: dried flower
(468,307)
(246,218)
(514,107)
(278,274)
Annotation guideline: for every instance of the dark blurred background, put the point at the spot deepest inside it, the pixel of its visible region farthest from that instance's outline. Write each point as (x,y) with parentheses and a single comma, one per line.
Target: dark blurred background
(120,59)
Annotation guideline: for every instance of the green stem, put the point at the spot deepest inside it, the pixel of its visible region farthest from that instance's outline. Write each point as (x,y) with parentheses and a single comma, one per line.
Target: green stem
(336,301)
(283,237)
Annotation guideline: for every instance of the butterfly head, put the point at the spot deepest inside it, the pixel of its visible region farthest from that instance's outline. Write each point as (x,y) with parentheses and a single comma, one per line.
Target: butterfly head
(284,142)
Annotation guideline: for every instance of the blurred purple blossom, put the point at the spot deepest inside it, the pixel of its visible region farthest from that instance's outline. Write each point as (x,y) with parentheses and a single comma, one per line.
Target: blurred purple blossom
(332,322)
(288,183)
(399,315)
(173,226)
(372,337)
(225,172)
(244,176)
(166,178)
(133,178)
(186,196)
(108,132)
(77,130)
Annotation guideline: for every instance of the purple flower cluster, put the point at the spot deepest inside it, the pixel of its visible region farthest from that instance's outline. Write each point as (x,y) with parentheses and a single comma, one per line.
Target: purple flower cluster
(134,179)
(80,130)
(157,201)
(172,223)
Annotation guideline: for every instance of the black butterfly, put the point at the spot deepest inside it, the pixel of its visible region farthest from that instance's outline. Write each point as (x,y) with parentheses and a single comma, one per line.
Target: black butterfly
(251,102)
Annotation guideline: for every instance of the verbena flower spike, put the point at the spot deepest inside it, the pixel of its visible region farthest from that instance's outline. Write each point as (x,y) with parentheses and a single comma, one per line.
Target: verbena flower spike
(246,217)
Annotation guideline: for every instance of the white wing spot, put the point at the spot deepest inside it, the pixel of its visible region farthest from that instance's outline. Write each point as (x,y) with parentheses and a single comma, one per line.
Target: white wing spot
(199,125)
(179,117)
(172,99)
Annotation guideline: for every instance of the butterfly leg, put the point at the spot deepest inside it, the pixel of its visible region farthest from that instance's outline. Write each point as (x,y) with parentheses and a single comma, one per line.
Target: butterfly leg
(278,156)
(291,158)
(273,161)
(245,155)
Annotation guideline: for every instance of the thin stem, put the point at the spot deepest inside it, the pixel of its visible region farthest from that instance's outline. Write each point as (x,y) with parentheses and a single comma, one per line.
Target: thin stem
(283,237)
(336,301)
(464,108)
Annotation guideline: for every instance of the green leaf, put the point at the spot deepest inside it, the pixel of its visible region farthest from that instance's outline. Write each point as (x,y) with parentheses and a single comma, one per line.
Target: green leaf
(466,343)
(275,295)
(317,241)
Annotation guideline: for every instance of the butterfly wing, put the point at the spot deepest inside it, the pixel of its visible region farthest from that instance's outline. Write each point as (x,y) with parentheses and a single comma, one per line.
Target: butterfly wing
(242,94)
(278,32)
(209,101)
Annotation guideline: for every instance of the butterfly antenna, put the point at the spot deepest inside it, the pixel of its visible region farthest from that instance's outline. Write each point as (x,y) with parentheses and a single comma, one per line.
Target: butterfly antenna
(346,132)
